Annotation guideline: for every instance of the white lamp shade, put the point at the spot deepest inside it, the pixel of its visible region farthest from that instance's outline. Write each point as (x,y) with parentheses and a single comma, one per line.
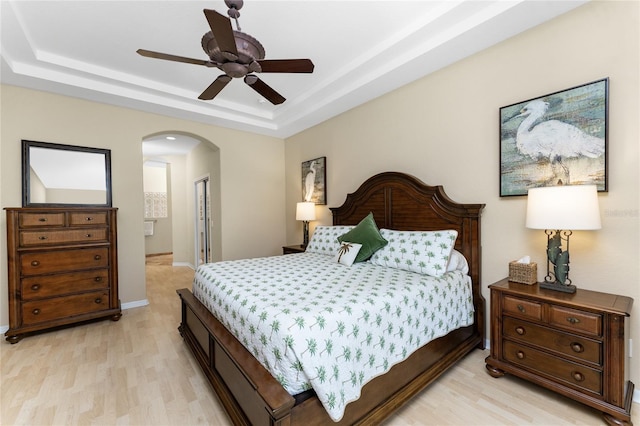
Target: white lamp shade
(566,207)
(306,211)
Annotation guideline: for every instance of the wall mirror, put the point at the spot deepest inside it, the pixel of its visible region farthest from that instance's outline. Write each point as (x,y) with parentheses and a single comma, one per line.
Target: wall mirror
(65,175)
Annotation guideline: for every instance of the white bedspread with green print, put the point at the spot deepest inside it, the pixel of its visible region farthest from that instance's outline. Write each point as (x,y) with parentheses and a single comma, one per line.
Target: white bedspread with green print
(315,323)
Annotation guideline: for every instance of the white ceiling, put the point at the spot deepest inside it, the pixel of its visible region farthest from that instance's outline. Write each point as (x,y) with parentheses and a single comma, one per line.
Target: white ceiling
(361,50)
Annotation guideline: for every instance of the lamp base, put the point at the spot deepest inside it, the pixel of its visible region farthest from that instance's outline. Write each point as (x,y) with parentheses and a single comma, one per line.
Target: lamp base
(556,286)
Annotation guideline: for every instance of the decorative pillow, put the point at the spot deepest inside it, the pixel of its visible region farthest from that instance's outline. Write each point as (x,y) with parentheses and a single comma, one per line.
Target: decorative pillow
(367,234)
(347,253)
(457,262)
(325,239)
(425,252)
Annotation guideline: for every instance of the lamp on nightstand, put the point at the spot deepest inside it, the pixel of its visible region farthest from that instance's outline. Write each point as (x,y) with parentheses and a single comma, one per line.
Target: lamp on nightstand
(305,212)
(559,210)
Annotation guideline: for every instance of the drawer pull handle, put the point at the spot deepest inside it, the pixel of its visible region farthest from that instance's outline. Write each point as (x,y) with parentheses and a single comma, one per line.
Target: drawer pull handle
(578,377)
(521,308)
(520,330)
(97,257)
(35,263)
(35,287)
(573,320)
(98,300)
(36,311)
(42,219)
(43,237)
(97,279)
(88,219)
(577,347)
(89,235)
(520,355)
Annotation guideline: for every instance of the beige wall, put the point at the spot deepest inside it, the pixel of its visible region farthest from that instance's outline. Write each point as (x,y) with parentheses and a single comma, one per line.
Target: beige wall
(251,170)
(443,129)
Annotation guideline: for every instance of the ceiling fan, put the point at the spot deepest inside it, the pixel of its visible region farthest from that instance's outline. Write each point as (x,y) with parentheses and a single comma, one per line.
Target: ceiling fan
(237,54)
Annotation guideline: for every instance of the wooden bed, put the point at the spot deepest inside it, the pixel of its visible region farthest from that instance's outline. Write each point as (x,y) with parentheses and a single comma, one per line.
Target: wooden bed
(249,393)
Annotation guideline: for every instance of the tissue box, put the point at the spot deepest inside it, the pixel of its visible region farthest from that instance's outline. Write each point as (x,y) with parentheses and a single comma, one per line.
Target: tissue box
(525,273)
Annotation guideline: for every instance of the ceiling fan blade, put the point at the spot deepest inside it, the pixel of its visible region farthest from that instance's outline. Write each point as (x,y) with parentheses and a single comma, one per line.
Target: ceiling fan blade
(286,65)
(223,33)
(265,90)
(158,55)
(215,87)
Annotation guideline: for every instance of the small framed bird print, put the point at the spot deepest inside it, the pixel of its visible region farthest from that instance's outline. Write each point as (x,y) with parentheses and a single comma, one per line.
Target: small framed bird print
(555,139)
(314,181)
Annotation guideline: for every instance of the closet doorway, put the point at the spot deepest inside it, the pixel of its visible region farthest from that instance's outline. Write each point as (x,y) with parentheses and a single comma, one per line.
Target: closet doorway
(203,221)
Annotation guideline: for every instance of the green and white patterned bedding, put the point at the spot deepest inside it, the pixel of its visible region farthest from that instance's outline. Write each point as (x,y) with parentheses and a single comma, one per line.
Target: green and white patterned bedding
(315,323)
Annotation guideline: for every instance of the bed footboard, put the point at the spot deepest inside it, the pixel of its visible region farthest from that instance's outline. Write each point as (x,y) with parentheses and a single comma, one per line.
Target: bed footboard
(249,394)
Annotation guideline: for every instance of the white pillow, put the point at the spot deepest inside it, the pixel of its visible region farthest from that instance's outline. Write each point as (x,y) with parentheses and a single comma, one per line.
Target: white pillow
(325,239)
(425,252)
(457,262)
(347,253)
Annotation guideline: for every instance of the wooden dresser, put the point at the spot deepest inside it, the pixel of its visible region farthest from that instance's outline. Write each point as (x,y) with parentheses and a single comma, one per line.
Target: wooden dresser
(63,267)
(574,344)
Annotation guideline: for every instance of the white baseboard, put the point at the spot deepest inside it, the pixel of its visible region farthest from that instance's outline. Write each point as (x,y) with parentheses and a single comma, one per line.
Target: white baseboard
(135,304)
(187,264)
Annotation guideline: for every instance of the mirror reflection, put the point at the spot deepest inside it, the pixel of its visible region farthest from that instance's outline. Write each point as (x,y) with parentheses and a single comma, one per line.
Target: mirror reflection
(55,174)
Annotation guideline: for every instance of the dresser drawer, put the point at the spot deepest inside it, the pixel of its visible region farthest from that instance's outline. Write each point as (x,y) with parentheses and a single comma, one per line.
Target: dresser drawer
(60,307)
(559,370)
(575,320)
(553,340)
(87,218)
(60,284)
(63,260)
(33,238)
(26,220)
(522,307)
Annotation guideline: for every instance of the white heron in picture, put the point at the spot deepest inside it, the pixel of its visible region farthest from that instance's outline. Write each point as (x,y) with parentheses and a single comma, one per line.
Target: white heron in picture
(554,140)
(309,182)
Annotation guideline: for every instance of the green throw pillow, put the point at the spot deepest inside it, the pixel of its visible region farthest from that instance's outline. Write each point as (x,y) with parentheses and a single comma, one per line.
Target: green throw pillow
(367,234)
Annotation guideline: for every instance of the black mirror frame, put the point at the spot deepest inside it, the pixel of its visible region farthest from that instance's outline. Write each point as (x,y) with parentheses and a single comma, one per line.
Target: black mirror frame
(26,183)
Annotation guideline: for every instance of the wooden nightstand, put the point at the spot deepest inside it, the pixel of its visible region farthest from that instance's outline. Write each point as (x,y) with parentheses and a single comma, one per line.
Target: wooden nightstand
(293,249)
(574,344)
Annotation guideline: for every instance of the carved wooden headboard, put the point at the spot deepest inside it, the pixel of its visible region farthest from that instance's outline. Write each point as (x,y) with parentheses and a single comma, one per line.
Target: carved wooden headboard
(400,201)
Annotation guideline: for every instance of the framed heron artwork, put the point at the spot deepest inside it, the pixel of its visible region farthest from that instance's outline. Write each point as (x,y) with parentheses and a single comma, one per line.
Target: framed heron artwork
(314,181)
(555,139)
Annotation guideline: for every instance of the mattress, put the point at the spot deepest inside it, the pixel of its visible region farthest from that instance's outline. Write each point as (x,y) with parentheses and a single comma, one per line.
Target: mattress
(314,323)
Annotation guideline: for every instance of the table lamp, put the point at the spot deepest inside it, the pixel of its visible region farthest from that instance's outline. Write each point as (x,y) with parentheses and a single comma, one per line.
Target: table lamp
(559,210)
(305,212)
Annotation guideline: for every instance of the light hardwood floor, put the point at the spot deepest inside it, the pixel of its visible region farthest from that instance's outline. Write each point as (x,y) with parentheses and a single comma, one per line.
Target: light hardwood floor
(137,371)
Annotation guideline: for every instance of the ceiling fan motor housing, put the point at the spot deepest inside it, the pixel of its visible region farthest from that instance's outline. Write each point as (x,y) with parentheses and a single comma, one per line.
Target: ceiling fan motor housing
(249,51)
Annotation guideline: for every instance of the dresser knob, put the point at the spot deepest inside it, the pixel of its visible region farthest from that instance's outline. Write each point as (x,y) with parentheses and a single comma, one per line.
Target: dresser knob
(577,347)
(36,311)
(88,219)
(578,377)
(98,300)
(520,330)
(521,308)
(88,235)
(35,287)
(97,257)
(573,320)
(520,355)
(97,279)
(35,263)
(42,237)
(42,219)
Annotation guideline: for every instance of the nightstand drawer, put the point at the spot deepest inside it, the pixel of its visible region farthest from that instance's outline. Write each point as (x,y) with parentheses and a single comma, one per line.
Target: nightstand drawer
(522,307)
(571,374)
(557,341)
(575,320)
